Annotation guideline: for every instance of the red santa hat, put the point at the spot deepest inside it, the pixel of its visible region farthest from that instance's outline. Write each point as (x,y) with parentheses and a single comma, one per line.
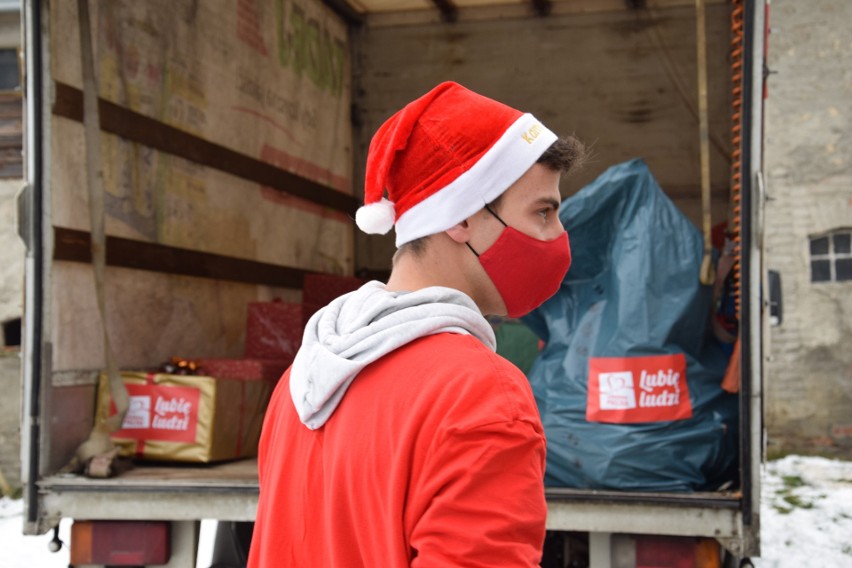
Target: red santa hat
(442,158)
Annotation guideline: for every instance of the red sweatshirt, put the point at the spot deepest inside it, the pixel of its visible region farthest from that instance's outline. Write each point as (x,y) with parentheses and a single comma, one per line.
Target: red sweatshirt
(435,457)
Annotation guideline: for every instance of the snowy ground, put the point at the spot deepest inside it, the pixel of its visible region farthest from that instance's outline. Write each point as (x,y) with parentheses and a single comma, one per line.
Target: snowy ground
(18,551)
(806,514)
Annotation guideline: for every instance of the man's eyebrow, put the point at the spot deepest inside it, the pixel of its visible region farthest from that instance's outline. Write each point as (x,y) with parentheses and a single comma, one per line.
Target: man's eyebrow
(554,203)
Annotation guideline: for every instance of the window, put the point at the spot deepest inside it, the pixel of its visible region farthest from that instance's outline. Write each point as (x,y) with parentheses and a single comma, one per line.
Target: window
(831,256)
(10,72)
(11,115)
(12,333)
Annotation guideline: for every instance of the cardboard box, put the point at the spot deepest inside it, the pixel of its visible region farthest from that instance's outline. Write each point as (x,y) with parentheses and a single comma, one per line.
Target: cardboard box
(188,418)
(245,369)
(273,330)
(320,289)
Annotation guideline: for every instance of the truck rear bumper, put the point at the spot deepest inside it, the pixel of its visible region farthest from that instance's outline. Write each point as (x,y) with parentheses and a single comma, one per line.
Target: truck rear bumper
(229,491)
(226,491)
(715,515)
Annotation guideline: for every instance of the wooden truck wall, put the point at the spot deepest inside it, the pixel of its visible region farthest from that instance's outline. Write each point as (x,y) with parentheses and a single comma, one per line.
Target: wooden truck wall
(210,110)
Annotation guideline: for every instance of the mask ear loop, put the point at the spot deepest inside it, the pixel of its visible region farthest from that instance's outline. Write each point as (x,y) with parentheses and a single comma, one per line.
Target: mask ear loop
(488,208)
(496,216)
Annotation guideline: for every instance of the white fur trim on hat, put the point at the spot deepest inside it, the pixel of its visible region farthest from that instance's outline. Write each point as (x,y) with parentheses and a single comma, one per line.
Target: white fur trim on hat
(376,218)
(508,159)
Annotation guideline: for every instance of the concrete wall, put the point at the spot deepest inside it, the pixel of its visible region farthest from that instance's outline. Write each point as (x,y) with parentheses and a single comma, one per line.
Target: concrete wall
(10,417)
(11,254)
(11,300)
(809,180)
(11,307)
(10,29)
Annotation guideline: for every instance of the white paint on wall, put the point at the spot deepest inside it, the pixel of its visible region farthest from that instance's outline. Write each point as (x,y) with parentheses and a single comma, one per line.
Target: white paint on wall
(11,253)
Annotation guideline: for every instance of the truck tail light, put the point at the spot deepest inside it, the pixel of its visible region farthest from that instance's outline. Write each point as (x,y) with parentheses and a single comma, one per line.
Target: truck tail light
(677,552)
(120,543)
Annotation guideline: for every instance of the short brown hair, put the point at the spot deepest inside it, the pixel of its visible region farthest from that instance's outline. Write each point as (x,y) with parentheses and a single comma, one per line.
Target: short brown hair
(565,155)
(415,247)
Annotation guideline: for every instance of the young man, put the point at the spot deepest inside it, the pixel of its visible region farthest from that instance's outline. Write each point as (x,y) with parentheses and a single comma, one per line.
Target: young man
(399,438)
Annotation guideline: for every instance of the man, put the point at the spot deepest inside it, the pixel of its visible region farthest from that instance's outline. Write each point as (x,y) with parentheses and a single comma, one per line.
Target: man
(399,438)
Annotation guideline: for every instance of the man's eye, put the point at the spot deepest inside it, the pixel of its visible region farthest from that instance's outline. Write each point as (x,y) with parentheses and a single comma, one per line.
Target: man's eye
(544,213)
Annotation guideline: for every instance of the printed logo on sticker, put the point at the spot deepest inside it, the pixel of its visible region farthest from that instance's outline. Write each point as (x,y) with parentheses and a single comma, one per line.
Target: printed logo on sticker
(138,413)
(624,390)
(160,412)
(616,391)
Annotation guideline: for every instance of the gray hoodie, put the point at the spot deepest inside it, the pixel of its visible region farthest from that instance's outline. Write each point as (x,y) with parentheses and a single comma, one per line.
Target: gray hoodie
(360,327)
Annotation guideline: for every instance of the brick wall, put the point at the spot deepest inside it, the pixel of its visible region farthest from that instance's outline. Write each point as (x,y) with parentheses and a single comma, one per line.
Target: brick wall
(808,158)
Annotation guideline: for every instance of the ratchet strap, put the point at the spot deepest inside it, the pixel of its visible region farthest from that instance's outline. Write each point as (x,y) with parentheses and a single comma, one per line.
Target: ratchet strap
(97,453)
(707,275)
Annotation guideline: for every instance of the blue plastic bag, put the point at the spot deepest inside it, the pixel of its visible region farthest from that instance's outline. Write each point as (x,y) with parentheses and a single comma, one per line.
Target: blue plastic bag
(632,291)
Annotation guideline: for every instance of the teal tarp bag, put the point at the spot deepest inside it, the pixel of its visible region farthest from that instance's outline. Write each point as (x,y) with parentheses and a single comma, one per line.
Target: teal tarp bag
(631,308)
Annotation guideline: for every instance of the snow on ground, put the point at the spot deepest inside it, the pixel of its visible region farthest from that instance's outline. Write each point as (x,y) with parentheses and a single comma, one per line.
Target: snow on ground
(19,551)
(806,516)
(806,513)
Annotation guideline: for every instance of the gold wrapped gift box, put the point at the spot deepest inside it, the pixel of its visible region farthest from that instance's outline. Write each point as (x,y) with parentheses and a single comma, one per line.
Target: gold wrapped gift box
(188,418)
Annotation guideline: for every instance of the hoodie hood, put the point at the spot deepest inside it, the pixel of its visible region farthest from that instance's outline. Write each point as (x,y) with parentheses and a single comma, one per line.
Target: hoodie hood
(360,327)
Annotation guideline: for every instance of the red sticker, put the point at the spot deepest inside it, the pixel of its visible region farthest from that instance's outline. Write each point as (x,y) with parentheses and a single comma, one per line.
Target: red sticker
(160,412)
(626,390)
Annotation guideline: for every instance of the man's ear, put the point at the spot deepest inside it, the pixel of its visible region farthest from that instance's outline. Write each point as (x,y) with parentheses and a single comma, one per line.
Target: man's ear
(460,233)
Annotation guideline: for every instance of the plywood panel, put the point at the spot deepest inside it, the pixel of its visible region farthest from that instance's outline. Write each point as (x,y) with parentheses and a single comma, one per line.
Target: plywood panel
(241,74)
(155,197)
(70,412)
(150,316)
(258,76)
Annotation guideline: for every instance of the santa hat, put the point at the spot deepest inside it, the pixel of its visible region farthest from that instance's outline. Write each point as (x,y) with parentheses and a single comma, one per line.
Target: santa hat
(442,158)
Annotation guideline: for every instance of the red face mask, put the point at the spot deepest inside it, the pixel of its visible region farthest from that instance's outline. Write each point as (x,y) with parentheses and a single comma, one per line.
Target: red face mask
(525,270)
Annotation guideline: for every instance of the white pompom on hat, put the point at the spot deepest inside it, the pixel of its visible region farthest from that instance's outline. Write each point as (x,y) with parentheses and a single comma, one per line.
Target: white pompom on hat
(376,218)
(442,158)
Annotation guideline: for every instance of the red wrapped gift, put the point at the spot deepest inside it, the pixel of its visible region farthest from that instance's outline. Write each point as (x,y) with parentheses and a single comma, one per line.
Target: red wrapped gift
(244,369)
(273,330)
(320,289)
